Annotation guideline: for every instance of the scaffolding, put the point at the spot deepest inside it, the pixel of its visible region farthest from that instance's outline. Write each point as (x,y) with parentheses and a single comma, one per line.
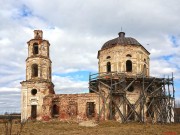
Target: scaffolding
(155,102)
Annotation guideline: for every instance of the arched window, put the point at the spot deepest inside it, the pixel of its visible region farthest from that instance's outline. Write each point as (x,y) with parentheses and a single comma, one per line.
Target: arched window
(108,57)
(128,55)
(128,66)
(145,60)
(55,110)
(50,72)
(34,70)
(35,48)
(108,67)
(130,89)
(145,69)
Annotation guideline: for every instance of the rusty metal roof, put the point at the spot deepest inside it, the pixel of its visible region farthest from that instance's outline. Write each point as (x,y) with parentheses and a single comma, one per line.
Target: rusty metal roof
(121,40)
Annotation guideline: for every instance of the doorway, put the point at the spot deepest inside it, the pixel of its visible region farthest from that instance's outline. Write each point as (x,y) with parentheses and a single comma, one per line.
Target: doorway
(33,111)
(55,111)
(90,109)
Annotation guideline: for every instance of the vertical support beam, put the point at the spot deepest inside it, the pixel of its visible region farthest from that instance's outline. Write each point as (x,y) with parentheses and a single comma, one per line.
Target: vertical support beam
(173,101)
(164,98)
(168,88)
(164,89)
(110,104)
(104,106)
(142,101)
(173,87)
(169,104)
(99,88)
(164,109)
(173,84)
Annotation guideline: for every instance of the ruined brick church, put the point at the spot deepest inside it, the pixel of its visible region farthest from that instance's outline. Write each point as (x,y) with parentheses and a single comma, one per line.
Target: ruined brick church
(122,90)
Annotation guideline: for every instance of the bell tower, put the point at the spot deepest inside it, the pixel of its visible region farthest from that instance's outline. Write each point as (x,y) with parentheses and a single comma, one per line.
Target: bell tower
(38,77)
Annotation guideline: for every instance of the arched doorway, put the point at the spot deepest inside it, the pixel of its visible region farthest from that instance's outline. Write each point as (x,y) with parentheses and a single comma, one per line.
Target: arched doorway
(55,111)
(33,111)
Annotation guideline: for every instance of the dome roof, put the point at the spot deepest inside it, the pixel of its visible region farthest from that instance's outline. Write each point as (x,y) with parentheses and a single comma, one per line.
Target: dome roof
(121,40)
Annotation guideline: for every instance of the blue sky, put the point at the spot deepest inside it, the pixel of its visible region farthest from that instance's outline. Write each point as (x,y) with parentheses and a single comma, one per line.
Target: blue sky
(76,30)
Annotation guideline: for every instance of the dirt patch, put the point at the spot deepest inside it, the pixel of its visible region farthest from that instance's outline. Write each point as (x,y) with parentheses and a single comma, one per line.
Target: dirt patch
(89,123)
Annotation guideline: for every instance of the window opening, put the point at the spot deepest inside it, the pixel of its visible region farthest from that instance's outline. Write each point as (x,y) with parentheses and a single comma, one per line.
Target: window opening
(131,89)
(145,70)
(33,91)
(128,55)
(108,67)
(128,66)
(108,57)
(34,70)
(35,48)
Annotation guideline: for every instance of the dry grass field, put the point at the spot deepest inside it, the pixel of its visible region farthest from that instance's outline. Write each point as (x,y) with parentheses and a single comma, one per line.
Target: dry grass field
(103,128)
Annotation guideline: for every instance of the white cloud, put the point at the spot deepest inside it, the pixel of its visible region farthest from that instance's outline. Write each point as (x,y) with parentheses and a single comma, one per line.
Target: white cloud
(159,68)
(8,89)
(69,85)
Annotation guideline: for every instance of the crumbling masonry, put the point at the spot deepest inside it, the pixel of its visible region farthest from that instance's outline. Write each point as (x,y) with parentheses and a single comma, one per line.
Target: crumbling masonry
(122,90)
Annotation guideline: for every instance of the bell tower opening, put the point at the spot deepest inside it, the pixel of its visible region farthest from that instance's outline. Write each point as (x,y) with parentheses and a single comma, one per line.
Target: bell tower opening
(34,70)
(35,49)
